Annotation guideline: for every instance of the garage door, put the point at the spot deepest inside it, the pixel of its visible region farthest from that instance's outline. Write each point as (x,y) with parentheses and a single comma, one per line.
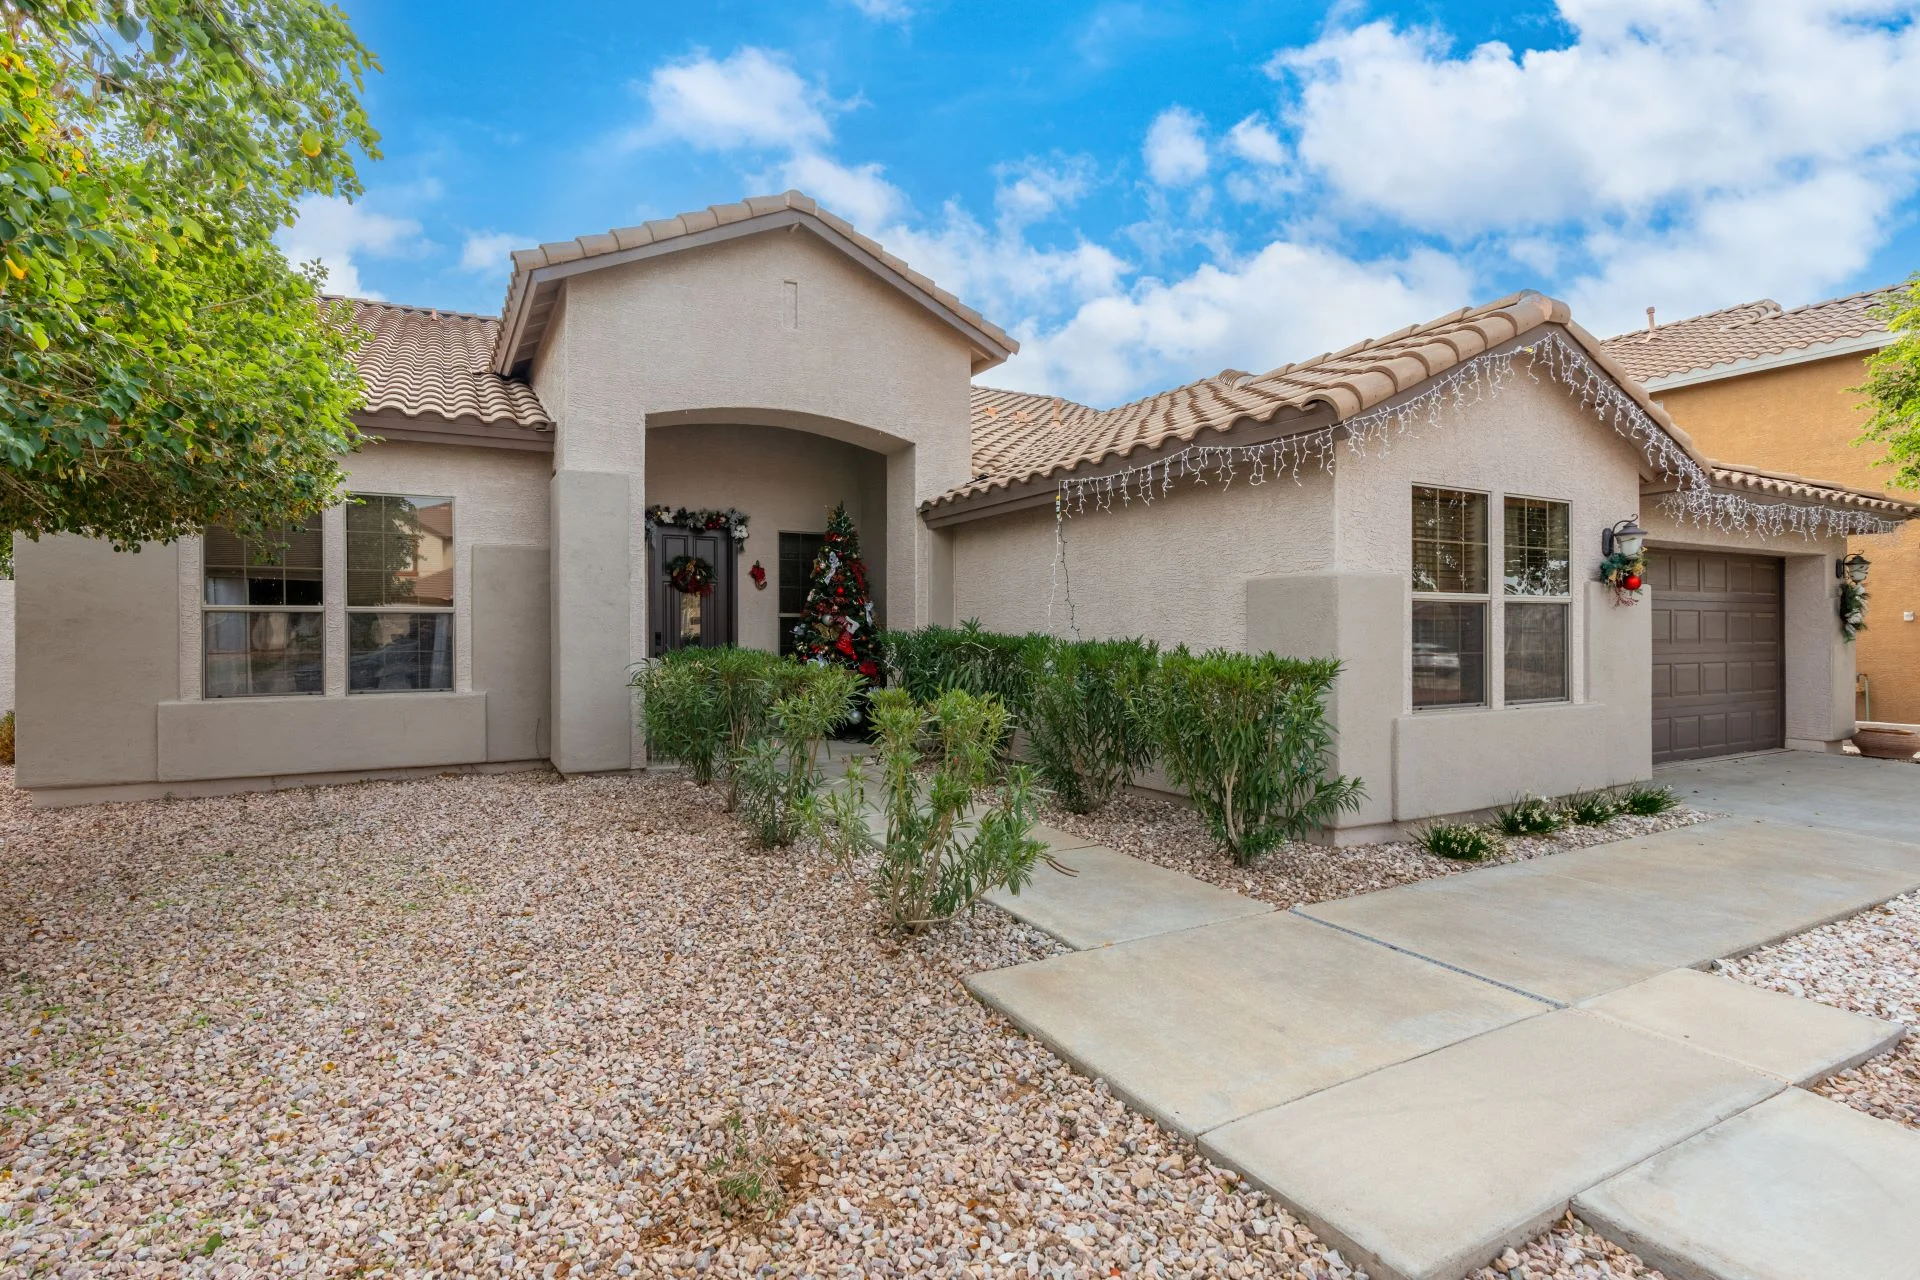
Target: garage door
(1716,653)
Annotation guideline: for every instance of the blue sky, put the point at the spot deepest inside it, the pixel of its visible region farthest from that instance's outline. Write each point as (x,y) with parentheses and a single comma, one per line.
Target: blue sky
(1144,194)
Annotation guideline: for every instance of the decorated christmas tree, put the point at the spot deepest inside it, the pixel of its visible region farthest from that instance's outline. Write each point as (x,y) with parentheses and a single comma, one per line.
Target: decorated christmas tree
(837,623)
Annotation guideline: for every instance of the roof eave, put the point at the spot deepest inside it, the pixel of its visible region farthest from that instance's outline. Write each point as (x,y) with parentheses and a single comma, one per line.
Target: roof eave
(1859,344)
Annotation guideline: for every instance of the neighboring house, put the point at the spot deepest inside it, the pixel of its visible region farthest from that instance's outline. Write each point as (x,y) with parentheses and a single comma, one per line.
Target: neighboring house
(1427,506)
(1777,389)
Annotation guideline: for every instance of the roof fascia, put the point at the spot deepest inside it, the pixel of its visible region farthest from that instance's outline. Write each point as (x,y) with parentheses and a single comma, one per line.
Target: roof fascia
(1778,360)
(987,351)
(401,428)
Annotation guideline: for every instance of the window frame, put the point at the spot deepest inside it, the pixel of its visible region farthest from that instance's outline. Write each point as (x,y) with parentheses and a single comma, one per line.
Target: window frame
(1564,602)
(782,620)
(1484,599)
(406,608)
(209,607)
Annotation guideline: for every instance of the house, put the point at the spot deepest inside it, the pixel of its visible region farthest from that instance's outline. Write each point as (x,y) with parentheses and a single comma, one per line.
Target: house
(1777,388)
(1428,506)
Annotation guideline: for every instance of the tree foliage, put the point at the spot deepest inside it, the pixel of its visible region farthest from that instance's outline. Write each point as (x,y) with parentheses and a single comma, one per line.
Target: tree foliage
(162,366)
(1893,387)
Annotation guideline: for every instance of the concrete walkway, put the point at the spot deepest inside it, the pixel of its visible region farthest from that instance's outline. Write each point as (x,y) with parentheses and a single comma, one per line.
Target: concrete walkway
(1432,1073)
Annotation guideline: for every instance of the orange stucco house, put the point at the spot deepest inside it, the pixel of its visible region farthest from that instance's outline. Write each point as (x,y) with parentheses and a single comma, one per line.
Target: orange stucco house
(1775,388)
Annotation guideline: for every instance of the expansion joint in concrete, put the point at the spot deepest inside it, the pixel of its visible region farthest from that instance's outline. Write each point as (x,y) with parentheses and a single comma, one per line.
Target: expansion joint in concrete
(1408,951)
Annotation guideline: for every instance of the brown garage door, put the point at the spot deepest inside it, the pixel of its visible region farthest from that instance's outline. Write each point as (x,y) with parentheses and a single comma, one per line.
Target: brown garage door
(1716,653)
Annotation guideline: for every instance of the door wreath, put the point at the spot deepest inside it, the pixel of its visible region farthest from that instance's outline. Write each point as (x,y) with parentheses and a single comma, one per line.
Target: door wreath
(690,575)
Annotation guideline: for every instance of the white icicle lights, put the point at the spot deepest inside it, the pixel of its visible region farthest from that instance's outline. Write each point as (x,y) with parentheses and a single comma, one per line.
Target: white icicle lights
(1468,383)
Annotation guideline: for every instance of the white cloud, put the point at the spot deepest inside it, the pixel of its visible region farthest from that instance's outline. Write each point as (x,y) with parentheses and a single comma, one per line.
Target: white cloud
(338,233)
(752,98)
(1175,152)
(489,252)
(856,192)
(1671,153)
(1254,141)
(884,10)
(1284,303)
(1031,191)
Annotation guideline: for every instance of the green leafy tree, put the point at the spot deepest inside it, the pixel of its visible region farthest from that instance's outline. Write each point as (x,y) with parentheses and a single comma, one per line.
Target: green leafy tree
(1893,386)
(162,367)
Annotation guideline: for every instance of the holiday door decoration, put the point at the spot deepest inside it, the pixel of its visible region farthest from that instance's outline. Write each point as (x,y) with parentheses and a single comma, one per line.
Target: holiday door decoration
(690,575)
(759,575)
(836,624)
(732,520)
(1853,609)
(1626,574)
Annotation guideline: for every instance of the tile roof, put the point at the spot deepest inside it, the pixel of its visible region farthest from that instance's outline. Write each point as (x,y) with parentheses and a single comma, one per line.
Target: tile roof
(1782,484)
(422,363)
(1749,331)
(518,339)
(1020,437)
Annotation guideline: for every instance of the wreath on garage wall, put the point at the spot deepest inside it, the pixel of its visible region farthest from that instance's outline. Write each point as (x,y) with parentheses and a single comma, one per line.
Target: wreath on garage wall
(690,575)
(1626,575)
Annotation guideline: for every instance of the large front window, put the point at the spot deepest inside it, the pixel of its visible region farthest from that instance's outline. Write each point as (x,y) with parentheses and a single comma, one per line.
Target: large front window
(399,593)
(261,612)
(1450,598)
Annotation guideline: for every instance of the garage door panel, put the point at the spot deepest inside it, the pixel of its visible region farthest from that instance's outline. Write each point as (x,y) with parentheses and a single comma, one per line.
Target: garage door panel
(1716,653)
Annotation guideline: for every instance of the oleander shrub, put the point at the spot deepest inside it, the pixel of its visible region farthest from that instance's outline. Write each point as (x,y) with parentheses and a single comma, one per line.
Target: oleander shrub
(6,739)
(778,774)
(1459,841)
(931,660)
(1247,737)
(702,707)
(1090,724)
(1528,816)
(1645,800)
(1591,808)
(928,860)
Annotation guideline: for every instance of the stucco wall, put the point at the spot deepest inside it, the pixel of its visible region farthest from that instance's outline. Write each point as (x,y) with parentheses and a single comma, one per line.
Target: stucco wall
(1804,419)
(6,644)
(1172,572)
(1819,661)
(707,335)
(786,481)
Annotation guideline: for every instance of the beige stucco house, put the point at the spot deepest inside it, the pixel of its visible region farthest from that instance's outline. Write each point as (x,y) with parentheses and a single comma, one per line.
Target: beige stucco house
(1426,506)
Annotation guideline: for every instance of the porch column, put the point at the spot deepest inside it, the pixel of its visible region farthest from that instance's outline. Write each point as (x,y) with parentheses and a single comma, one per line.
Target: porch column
(593,620)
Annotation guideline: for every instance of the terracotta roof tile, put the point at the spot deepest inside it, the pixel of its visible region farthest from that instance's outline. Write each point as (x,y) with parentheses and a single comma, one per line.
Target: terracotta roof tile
(1786,485)
(1019,436)
(1749,331)
(435,364)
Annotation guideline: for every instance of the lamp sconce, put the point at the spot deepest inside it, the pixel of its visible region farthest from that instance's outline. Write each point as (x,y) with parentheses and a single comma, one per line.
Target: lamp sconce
(1853,568)
(1626,538)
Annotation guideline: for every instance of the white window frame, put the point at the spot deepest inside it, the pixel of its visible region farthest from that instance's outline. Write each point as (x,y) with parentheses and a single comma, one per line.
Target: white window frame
(1564,601)
(200,654)
(1490,692)
(451,609)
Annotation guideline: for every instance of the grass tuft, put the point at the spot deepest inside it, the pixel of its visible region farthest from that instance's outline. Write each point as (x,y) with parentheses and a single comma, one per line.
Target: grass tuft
(1528,816)
(1591,808)
(1646,800)
(1458,841)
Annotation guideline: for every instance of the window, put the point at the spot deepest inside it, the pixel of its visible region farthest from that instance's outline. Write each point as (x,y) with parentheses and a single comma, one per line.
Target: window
(1450,598)
(797,551)
(399,593)
(262,618)
(1538,589)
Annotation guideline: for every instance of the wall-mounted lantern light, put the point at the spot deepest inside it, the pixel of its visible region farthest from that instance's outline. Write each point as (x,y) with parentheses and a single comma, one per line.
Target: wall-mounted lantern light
(1625,538)
(1853,568)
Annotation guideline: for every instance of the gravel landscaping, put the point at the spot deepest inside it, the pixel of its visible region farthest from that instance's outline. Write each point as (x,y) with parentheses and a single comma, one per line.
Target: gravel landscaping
(1170,833)
(515,1025)
(1869,963)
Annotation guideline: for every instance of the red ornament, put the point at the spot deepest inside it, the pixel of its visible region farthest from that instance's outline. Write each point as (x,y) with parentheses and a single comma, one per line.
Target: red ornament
(1633,582)
(869,670)
(759,576)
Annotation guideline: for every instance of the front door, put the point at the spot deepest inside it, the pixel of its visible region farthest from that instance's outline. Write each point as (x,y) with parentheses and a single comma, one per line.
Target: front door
(683,619)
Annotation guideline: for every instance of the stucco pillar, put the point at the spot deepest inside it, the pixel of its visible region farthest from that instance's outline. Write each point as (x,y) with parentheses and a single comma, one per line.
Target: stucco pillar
(593,619)
(1361,619)
(1618,675)
(1820,662)
(907,548)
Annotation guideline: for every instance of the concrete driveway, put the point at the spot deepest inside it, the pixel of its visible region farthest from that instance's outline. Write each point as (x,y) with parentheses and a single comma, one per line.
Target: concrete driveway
(1431,1073)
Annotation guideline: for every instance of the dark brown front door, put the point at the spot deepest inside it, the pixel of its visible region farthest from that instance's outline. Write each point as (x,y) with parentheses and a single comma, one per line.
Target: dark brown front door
(1717,663)
(682,620)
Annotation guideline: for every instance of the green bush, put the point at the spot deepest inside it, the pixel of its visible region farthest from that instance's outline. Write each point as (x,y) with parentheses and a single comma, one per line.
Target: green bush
(776,775)
(6,739)
(702,707)
(1646,800)
(1247,736)
(931,863)
(1591,808)
(1528,816)
(1457,841)
(1089,718)
(930,661)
